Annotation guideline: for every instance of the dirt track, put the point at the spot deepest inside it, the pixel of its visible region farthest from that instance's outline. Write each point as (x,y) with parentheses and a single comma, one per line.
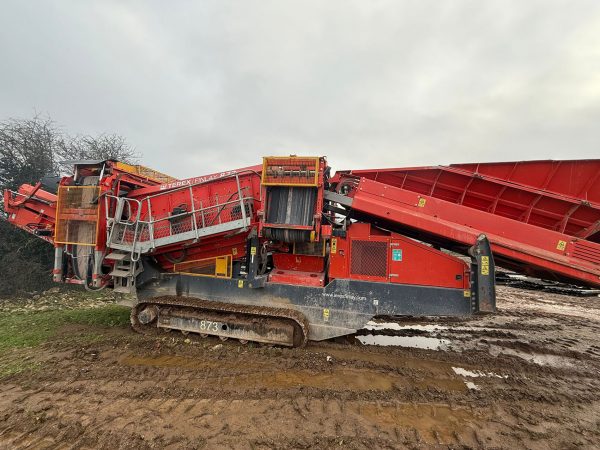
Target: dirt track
(526,377)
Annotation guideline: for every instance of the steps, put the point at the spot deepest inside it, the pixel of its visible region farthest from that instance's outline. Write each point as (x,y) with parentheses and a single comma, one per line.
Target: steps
(124,272)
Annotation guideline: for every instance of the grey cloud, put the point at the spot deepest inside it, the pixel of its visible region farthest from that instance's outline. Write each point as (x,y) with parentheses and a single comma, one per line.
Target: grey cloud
(198,87)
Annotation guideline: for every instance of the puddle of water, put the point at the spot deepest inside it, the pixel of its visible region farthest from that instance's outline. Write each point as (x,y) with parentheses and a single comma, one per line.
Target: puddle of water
(424,342)
(397,327)
(439,368)
(347,379)
(340,379)
(540,359)
(429,328)
(476,373)
(472,386)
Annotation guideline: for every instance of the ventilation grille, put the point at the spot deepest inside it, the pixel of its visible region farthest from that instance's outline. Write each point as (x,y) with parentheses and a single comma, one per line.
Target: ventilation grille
(587,252)
(369,258)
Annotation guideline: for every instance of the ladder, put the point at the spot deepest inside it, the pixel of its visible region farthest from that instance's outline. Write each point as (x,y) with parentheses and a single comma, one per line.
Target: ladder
(124,272)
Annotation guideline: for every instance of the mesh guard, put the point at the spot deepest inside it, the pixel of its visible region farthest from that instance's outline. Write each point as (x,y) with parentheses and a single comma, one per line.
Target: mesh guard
(77,215)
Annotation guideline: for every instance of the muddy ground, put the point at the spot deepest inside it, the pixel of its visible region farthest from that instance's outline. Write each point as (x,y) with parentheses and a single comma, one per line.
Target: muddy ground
(527,377)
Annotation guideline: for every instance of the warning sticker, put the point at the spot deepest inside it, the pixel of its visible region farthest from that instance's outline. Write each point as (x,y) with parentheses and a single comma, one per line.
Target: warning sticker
(326,314)
(485,265)
(334,246)
(561,245)
(397,254)
(422,202)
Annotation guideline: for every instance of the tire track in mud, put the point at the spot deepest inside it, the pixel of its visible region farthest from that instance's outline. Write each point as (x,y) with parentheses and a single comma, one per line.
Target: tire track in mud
(132,391)
(160,422)
(184,395)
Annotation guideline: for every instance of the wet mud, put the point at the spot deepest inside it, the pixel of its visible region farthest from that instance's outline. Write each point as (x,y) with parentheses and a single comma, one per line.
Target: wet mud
(525,378)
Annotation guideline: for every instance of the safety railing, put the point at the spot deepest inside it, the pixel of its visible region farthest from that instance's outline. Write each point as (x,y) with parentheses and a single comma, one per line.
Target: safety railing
(124,226)
(126,231)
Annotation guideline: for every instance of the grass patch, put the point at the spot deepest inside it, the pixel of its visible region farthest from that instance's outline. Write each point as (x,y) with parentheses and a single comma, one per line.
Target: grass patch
(89,338)
(14,368)
(30,329)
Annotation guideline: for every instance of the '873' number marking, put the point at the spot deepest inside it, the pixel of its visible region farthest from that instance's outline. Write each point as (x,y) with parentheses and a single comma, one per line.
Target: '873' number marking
(209,325)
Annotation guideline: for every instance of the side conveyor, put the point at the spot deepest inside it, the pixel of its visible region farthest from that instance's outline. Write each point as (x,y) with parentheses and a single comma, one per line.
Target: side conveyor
(521,246)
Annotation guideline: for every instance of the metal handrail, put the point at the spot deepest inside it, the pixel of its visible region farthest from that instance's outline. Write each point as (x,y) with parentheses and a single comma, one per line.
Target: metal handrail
(128,201)
(122,200)
(140,225)
(149,225)
(15,194)
(119,206)
(195,211)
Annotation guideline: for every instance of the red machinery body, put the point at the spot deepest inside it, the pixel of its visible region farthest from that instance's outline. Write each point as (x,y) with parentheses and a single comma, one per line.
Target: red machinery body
(32,209)
(356,257)
(282,252)
(542,217)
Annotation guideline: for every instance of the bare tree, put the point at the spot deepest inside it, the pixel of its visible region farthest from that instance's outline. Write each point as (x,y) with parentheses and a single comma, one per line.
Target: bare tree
(29,150)
(105,146)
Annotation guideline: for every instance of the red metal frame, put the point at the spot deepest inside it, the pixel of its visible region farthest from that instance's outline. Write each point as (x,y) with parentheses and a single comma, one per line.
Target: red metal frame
(317,182)
(297,277)
(563,196)
(32,209)
(541,217)
(407,261)
(303,263)
(531,248)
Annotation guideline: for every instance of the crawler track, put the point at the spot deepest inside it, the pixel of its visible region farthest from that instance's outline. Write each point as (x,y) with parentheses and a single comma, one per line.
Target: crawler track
(246,315)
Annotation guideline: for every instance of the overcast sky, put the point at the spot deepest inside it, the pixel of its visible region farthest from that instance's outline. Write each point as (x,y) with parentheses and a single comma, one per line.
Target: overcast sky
(203,86)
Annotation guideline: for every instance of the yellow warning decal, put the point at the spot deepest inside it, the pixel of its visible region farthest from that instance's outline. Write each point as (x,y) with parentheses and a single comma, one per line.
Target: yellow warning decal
(485,265)
(234,251)
(218,266)
(467,293)
(326,314)
(334,245)
(561,245)
(240,283)
(422,202)
(253,251)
